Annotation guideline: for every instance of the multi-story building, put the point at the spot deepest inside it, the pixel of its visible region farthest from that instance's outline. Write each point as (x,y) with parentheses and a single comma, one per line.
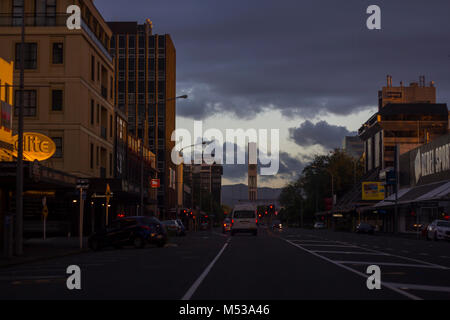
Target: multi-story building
(145,79)
(416,92)
(69,76)
(204,182)
(6,146)
(69,97)
(353,146)
(408,118)
(6,87)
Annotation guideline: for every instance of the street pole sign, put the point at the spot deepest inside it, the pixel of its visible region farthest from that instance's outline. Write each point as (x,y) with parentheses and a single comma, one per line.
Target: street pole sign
(82,184)
(108,197)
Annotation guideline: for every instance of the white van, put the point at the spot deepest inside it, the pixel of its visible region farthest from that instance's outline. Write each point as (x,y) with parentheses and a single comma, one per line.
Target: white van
(244,219)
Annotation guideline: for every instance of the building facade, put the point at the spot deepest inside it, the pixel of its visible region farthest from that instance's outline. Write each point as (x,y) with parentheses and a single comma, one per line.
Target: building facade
(145,80)
(353,146)
(68,82)
(407,117)
(204,183)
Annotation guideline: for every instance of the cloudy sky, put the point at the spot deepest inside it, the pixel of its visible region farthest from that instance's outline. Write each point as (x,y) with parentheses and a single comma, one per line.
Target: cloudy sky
(309,68)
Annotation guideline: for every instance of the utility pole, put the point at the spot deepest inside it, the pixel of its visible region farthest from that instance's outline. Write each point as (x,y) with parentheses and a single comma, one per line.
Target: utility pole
(141,189)
(19,169)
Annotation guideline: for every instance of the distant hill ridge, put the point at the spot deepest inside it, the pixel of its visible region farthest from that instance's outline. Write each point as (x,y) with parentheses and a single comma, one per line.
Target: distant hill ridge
(231,194)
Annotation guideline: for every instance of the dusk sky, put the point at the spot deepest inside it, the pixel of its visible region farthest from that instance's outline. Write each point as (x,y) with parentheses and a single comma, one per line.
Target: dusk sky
(309,68)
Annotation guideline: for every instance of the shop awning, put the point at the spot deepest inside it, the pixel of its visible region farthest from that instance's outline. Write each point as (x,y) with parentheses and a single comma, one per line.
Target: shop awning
(430,192)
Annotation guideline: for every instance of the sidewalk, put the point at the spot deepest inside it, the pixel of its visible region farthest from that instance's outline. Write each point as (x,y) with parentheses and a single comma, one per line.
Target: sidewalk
(39,249)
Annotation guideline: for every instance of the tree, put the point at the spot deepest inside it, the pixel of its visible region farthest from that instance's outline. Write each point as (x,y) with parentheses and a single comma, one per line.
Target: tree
(307,193)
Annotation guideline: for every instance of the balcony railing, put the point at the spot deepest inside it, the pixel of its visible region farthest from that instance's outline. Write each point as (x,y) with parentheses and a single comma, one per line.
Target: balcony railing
(33,20)
(46,20)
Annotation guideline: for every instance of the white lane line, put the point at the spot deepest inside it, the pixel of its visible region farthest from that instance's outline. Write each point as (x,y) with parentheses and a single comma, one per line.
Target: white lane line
(328,245)
(387,285)
(363,263)
(411,259)
(351,252)
(313,241)
(31,278)
(407,286)
(200,279)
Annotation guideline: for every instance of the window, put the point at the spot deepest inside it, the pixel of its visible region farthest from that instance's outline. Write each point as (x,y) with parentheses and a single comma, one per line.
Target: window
(45,12)
(57,100)
(110,165)
(98,71)
(92,112)
(58,53)
(17,12)
(110,126)
(92,156)
(111,88)
(30,55)
(6,92)
(98,113)
(59,147)
(29,103)
(98,156)
(92,68)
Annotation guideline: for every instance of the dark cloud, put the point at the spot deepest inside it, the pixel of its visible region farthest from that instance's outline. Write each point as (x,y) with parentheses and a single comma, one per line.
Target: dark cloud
(301,57)
(324,134)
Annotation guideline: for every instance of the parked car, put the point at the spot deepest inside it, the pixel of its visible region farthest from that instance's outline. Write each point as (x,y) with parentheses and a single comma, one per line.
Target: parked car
(137,231)
(183,228)
(439,230)
(276,224)
(319,225)
(172,226)
(226,225)
(365,228)
(244,219)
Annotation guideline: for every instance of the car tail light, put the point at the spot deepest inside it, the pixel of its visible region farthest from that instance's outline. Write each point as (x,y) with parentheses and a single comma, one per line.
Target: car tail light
(256,220)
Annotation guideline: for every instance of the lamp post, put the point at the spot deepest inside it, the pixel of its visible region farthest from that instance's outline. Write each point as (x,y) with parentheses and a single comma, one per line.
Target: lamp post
(19,172)
(180,153)
(141,191)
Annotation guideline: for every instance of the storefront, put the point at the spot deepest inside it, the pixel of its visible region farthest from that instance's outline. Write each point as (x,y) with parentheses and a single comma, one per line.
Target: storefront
(424,194)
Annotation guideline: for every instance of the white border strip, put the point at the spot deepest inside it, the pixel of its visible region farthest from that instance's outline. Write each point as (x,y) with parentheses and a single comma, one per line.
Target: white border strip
(202,277)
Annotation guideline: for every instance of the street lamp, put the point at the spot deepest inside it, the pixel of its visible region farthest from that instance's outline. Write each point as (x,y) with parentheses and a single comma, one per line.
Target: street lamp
(141,191)
(180,153)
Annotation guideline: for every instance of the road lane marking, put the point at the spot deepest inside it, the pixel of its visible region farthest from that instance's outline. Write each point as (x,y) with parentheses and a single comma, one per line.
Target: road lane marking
(329,245)
(351,252)
(387,285)
(411,259)
(407,286)
(202,277)
(362,263)
(24,278)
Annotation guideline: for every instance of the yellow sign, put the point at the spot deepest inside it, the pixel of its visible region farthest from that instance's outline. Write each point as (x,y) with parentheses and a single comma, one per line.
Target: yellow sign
(36,146)
(372,191)
(108,193)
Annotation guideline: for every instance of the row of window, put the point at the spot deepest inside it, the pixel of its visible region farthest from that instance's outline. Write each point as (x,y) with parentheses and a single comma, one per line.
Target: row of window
(30,101)
(30,55)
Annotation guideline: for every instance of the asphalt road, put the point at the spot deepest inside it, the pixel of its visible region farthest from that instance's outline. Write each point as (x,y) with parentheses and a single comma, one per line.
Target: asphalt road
(288,265)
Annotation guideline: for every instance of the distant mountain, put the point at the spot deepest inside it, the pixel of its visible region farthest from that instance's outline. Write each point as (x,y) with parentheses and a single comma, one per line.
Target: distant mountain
(233,194)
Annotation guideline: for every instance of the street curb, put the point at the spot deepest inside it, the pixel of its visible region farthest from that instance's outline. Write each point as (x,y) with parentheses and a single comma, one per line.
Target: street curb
(31,260)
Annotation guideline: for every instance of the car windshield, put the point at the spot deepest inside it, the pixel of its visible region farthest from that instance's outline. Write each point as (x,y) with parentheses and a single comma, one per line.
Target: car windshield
(445,224)
(169,222)
(247,214)
(276,222)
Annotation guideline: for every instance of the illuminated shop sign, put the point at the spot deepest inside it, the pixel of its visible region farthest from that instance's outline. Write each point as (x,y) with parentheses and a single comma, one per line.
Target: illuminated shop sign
(36,146)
